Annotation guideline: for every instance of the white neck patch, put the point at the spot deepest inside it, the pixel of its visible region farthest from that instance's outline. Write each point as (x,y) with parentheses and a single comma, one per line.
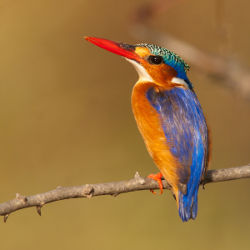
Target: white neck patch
(179,81)
(143,74)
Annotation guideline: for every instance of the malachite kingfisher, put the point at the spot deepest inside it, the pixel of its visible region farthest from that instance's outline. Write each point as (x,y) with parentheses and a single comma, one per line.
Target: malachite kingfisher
(169,117)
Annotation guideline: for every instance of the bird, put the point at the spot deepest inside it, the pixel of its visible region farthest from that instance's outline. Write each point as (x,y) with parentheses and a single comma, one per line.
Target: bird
(170,119)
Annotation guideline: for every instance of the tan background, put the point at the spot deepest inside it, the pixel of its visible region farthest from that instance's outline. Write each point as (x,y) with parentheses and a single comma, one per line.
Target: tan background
(66,120)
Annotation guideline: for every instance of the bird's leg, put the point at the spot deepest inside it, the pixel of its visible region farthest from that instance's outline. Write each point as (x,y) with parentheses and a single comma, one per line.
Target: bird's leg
(157,177)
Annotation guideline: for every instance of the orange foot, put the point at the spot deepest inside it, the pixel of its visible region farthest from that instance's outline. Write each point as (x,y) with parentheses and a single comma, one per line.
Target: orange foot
(157,177)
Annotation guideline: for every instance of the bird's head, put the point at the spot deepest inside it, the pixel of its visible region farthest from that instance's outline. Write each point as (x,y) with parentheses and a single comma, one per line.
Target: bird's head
(153,63)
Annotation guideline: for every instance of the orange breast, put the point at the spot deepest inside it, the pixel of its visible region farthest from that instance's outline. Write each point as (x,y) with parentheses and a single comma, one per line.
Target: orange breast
(149,124)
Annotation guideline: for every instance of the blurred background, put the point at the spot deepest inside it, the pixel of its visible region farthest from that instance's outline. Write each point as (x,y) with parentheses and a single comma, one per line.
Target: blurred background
(66,120)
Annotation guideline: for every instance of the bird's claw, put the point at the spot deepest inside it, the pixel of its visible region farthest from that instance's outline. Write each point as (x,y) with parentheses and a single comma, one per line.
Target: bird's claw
(157,177)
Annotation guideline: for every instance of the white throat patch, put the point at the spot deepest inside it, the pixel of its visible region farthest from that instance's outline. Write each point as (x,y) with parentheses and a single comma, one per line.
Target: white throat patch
(143,74)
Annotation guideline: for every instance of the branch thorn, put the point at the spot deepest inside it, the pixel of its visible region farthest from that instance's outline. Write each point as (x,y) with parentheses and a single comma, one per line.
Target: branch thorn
(39,209)
(5,217)
(139,178)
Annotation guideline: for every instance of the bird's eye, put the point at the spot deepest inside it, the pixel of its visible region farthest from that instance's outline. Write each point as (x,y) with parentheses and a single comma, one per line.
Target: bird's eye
(155,59)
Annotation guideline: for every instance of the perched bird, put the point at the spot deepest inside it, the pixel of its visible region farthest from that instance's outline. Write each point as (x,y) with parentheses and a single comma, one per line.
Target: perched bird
(169,117)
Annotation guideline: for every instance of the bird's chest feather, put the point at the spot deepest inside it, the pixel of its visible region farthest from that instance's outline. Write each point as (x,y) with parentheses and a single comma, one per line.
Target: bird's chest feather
(148,120)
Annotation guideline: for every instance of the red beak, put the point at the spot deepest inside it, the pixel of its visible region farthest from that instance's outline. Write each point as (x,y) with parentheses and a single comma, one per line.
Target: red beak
(121,49)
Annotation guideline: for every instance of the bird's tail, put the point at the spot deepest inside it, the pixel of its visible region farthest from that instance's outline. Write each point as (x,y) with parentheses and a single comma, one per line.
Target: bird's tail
(188,204)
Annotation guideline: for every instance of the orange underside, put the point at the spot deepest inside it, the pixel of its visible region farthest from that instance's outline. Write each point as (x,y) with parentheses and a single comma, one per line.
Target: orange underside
(150,127)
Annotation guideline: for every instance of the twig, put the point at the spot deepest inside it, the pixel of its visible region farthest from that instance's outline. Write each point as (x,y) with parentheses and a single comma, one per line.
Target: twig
(111,188)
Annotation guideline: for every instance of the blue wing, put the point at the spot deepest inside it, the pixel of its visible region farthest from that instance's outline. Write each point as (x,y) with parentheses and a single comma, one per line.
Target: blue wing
(186,131)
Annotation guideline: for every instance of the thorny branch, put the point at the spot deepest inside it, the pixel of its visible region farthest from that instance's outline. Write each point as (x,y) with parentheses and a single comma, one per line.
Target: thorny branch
(111,188)
(229,71)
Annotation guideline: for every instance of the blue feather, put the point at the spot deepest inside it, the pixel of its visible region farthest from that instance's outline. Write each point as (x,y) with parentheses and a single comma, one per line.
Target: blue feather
(186,132)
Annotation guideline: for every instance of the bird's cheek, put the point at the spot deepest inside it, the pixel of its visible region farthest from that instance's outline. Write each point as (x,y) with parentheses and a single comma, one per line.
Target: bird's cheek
(164,75)
(161,74)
